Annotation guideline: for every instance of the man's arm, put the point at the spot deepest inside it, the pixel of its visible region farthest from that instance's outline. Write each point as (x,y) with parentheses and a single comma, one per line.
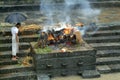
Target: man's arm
(17,39)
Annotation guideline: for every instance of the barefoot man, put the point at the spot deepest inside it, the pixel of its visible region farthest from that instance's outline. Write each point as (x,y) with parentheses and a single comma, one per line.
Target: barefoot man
(15,40)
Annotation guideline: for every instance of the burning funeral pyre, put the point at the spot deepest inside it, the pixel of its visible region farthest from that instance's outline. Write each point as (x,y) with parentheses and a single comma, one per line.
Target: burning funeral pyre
(59,34)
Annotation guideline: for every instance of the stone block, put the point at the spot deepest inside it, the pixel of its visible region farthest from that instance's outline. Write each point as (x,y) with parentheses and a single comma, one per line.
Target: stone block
(43,77)
(90,74)
(103,69)
(114,67)
(67,63)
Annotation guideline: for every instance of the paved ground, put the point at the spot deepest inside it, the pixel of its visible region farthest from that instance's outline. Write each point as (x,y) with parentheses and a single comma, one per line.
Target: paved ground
(112,76)
(109,15)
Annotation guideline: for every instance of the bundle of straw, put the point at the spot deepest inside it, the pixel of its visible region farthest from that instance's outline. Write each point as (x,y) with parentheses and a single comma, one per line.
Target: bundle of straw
(30,27)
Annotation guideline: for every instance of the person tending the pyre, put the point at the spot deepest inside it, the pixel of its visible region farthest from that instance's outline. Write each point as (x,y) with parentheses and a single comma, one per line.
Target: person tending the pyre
(42,42)
(78,36)
(15,40)
(81,28)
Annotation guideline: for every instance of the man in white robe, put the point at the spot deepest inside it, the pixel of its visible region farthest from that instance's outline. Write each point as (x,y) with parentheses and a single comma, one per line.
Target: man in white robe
(15,40)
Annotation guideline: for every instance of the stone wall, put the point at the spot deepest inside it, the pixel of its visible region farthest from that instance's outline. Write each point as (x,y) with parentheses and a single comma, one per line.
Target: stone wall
(67,63)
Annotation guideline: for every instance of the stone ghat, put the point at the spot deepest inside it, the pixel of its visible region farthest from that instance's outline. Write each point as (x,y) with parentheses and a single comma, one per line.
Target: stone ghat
(107,57)
(68,63)
(108,48)
(36,6)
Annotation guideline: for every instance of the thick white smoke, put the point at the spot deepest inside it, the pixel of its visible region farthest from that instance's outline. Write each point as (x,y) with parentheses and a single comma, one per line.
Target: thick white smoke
(64,12)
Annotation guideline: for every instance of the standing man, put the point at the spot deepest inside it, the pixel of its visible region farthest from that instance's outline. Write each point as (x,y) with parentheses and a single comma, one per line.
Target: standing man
(15,40)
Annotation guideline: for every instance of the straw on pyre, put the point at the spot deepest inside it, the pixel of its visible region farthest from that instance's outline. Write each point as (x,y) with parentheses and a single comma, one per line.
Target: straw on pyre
(59,34)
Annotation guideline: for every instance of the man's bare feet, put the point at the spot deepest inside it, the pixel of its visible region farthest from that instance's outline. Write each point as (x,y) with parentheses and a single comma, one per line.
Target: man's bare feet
(14,58)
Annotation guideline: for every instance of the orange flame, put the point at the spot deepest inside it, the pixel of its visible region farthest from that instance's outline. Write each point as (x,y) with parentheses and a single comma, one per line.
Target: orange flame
(79,24)
(67,30)
(50,37)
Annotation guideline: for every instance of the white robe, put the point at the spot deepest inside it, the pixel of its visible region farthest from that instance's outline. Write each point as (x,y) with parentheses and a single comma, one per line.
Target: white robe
(14,31)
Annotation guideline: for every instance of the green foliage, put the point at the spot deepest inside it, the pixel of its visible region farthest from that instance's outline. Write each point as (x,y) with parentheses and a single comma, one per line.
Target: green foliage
(43,50)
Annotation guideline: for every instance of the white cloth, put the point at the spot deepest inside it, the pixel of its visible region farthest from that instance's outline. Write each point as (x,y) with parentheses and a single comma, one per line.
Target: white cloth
(82,30)
(14,31)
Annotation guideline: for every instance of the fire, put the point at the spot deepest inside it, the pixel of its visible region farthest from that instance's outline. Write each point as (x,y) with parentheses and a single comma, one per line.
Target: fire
(79,24)
(50,37)
(66,34)
(67,30)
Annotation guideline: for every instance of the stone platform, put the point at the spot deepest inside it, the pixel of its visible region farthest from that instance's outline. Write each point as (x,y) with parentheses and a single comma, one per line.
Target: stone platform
(80,62)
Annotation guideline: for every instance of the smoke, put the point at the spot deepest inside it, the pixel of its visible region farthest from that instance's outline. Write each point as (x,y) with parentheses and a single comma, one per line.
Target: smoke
(48,10)
(89,13)
(91,16)
(68,11)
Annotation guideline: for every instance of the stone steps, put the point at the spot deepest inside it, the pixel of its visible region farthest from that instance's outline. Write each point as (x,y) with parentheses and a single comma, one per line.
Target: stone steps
(14,68)
(106,46)
(7,54)
(29,75)
(103,69)
(115,68)
(105,39)
(108,53)
(108,60)
(7,61)
(109,27)
(105,30)
(107,43)
(104,33)
(8,47)
(26,38)
(7,32)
